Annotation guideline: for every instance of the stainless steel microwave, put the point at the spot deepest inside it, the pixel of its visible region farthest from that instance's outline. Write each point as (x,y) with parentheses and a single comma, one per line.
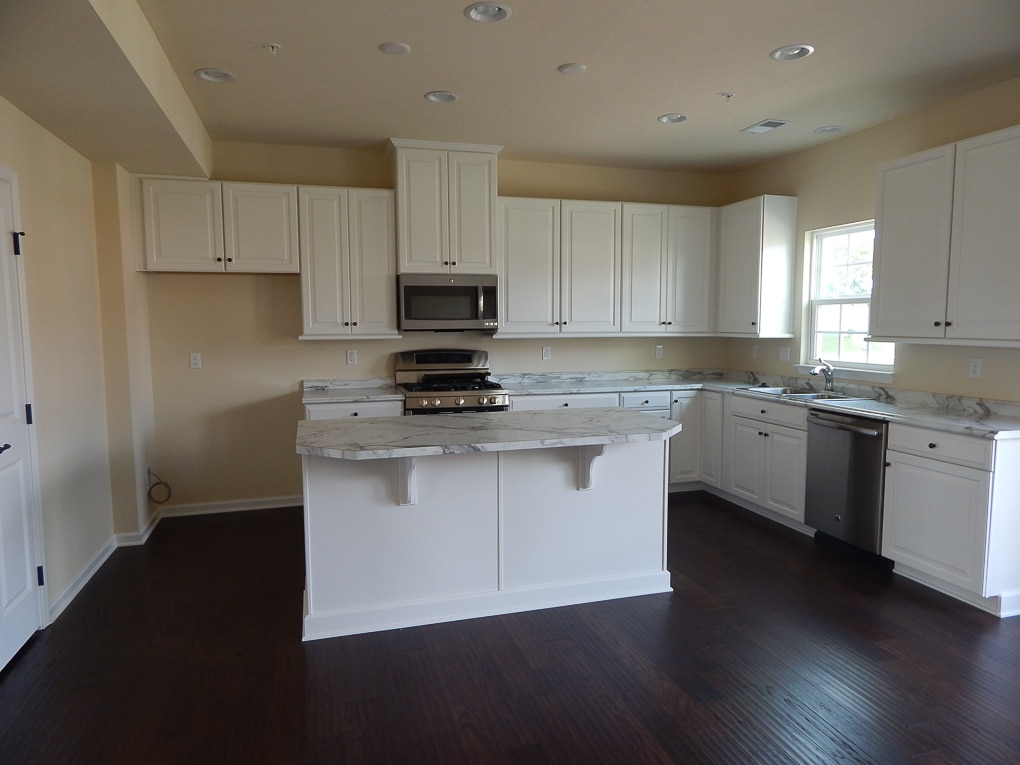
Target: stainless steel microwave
(447,302)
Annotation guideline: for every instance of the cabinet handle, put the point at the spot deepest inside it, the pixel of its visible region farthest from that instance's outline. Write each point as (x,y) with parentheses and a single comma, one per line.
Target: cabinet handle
(754,324)
(765,434)
(4,448)
(938,324)
(763,411)
(566,403)
(646,401)
(949,323)
(932,445)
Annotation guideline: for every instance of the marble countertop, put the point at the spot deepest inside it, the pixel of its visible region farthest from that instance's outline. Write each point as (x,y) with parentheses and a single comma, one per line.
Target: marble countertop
(386,437)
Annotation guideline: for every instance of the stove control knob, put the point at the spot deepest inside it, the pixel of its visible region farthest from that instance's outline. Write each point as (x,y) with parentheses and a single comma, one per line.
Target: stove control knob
(482,400)
(423,402)
(492,399)
(437,401)
(460,402)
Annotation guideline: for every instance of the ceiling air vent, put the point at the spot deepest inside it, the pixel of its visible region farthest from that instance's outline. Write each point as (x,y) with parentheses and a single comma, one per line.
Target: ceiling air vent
(765,126)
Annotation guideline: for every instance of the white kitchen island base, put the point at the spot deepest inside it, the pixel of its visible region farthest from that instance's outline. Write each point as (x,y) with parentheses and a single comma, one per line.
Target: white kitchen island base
(490,532)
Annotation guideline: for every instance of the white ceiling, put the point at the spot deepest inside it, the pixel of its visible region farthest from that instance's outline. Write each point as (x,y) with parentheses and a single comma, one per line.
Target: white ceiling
(330,85)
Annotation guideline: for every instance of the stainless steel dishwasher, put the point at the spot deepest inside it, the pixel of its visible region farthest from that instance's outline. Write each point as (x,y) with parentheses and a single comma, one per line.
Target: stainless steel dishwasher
(846,477)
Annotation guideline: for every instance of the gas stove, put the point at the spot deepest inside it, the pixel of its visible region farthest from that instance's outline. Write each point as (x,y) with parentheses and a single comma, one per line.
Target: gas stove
(448,381)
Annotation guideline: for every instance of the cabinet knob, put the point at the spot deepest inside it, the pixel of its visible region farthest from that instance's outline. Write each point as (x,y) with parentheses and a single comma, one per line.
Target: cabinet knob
(453,262)
(219,260)
(566,403)
(347,324)
(932,445)
(938,324)
(646,401)
(355,324)
(763,411)
(754,324)
(354,414)
(230,260)
(564,324)
(446,262)
(669,323)
(949,323)
(765,434)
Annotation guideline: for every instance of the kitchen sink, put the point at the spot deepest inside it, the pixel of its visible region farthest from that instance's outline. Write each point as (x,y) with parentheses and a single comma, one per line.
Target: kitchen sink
(803,394)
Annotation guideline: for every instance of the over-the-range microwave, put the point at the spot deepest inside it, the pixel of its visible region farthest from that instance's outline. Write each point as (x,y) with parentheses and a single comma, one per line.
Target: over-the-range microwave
(447,302)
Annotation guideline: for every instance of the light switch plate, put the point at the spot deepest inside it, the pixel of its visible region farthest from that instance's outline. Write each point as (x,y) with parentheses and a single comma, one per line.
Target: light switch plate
(658,351)
(546,353)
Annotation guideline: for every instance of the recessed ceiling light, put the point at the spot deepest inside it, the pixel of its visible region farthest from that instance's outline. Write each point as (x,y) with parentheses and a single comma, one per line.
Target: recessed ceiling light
(765,126)
(571,68)
(792,52)
(487,12)
(440,96)
(395,48)
(672,119)
(829,129)
(214,75)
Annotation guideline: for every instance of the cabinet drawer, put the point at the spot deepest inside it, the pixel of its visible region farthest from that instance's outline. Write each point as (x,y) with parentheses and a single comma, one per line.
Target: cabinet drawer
(654,400)
(360,409)
(948,447)
(794,415)
(573,400)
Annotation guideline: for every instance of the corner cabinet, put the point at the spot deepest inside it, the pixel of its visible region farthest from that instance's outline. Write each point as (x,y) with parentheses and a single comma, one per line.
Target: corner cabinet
(348,275)
(446,204)
(196,225)
(950,213)
(756,259)
(667,267)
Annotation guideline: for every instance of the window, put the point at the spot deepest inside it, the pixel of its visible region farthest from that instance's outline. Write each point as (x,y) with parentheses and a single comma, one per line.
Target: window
(840,298)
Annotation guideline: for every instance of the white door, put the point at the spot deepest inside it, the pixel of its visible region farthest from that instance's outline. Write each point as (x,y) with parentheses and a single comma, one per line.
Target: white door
(20,611)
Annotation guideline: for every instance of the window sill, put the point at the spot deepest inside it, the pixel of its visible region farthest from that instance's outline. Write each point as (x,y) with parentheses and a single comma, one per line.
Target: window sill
(848,373)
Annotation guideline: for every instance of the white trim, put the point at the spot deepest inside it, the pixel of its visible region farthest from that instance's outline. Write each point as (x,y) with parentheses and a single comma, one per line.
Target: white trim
(231,506)
(995,605)
(138,537)
(87,572)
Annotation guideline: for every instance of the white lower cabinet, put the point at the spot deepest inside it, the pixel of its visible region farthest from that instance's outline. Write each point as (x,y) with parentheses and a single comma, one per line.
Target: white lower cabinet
(560,401)
(711,441)
(768,460)
(952,513)
(339,411)
(684,451)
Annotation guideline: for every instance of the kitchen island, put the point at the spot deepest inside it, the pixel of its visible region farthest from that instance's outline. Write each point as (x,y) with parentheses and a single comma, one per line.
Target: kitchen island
(416,520)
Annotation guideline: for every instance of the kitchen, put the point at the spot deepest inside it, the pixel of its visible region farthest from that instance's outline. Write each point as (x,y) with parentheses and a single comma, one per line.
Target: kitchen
(222,434)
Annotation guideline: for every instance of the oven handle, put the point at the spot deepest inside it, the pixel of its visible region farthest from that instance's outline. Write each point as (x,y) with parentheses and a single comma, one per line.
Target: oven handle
(481,302)
(841,426)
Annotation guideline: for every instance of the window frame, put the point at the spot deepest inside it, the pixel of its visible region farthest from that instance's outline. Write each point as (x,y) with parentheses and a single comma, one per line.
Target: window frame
(813,303)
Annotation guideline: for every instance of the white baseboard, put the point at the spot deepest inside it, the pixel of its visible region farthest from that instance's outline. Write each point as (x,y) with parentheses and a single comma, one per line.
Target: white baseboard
(87,572)
(138,537)
(231,506)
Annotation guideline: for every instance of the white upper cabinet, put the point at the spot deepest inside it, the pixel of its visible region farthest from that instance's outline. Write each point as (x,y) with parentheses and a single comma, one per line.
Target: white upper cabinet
(529,243)
(756,261)
(260,227)
(590,251)
(348,274)
(914,211)
(446,204)
(667,257)
(946,235)
(195,225)
(560,270)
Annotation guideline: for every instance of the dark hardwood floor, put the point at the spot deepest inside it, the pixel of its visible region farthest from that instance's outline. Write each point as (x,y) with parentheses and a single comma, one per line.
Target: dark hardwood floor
(771,649)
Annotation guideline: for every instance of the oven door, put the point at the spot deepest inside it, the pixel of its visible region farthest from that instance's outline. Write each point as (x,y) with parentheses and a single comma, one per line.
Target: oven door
(458,409)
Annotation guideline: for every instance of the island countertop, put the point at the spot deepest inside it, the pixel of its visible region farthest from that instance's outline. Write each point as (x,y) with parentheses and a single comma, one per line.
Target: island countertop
(386,437)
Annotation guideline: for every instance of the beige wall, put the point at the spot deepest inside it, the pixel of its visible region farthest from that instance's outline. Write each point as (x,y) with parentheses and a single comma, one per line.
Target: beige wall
(835,183)
(57,214)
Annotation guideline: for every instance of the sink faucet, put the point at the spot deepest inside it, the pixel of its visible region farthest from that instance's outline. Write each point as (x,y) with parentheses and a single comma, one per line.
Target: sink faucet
(824,368)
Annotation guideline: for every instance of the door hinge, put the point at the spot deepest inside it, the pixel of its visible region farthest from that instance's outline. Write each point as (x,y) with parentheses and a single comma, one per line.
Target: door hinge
(39,575)
(17,241)
(28,414)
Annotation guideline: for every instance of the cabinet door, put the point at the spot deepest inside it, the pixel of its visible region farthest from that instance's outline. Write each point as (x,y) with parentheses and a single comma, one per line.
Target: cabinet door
(325,265)
(785,471)
(645,256)
(684,446)
(936,519)
(590,267)
(983,277)
(260,227)
(912,240)
(472,205)
(740,266)
(747,470)
(529,244)
(688,306)
(183,225)
(711,437)
(373,263)
(423,211)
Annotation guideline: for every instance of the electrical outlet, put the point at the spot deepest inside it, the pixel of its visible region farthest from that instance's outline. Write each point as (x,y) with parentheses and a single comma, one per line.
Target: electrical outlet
(974,369)
(546,352)
(195,360)
(784,353)
(352,356)
(658,351)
